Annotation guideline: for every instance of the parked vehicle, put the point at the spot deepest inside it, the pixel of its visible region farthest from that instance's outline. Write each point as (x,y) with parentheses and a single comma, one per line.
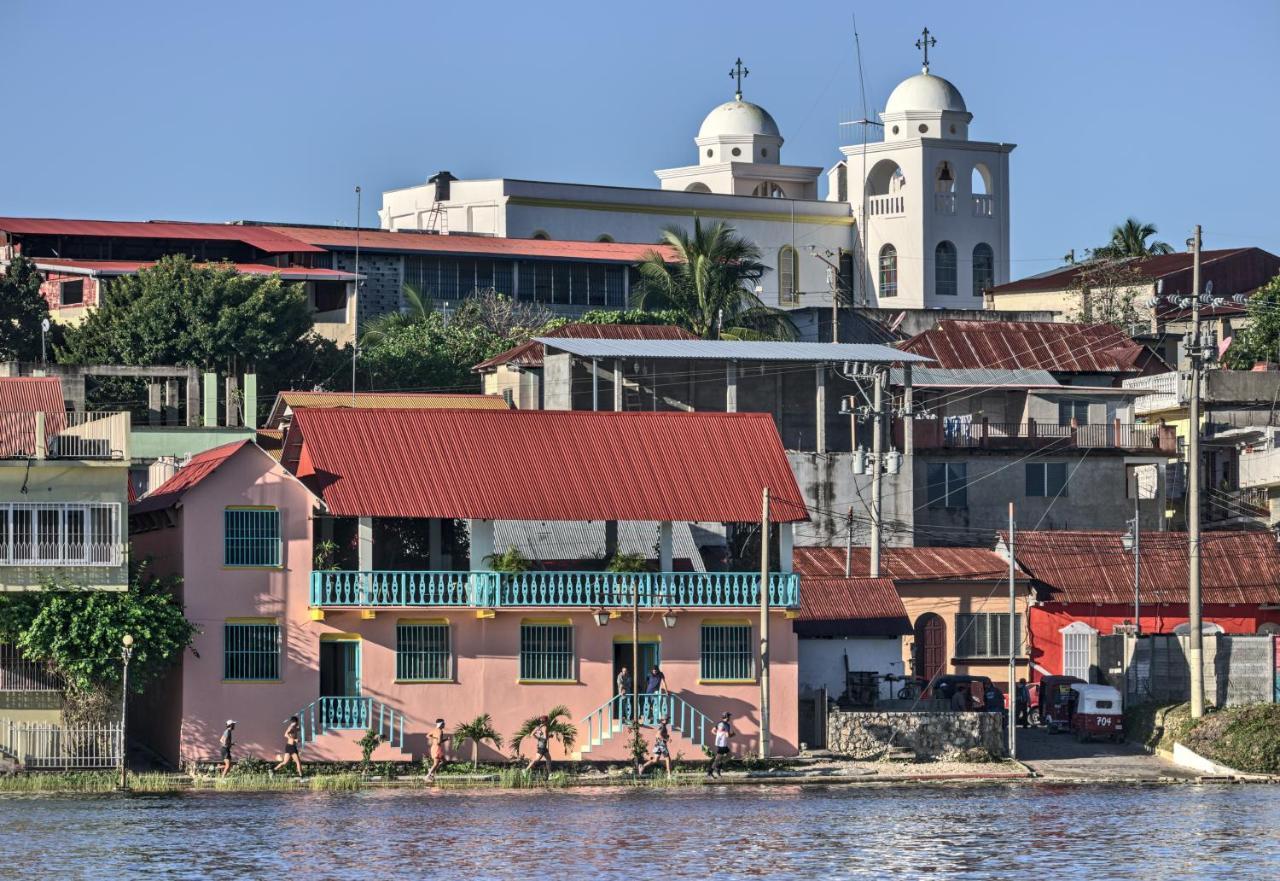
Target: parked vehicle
(1096,712)
(1055,701)
(992,699)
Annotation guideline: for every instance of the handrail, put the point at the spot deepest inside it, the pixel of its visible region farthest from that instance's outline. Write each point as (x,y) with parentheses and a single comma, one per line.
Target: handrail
(649,590)
(356,713)
(682,716)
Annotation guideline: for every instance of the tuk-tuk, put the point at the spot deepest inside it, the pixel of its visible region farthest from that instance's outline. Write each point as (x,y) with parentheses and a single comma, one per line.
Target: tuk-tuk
(1097,712)
(1055,702)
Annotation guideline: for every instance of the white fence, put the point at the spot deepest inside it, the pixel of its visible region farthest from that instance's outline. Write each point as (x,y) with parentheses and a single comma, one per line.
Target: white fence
(45,745)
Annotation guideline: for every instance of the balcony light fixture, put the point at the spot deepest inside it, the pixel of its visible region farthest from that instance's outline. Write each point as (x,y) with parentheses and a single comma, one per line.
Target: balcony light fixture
(669,619)
(601,617)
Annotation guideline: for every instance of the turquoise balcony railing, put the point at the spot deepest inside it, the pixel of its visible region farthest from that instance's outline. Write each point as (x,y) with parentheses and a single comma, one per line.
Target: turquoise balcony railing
(707,590)
(350,714)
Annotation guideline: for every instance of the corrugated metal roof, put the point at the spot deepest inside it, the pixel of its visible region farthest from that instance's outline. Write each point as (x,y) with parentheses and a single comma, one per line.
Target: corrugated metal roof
(1093,567)
(530,354)
(1031,345)
(169,493)
(974,377)
(548,249)
(260,237)
(272,441)
(20,398)
(906,564)
(543,464)
(292,400)
(557,540)
(130,267)
(850,607)
(731,350)
(1152,268)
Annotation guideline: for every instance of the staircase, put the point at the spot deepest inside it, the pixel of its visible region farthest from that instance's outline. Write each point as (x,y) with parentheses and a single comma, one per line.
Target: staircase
(351,714)
(613,717)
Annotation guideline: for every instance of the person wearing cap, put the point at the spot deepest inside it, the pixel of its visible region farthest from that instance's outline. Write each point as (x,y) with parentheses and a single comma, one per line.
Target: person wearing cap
(723,732)
(437,739)
(227,740)
(661,748)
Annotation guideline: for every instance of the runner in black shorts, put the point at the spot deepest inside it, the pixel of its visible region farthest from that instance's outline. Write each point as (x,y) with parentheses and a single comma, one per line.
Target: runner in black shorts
(291,743)
(227,740)
(723,732)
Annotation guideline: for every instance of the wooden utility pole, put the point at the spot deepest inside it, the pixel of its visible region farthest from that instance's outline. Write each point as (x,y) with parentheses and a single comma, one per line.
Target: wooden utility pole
(635,649)
(764,627)
(1195,650)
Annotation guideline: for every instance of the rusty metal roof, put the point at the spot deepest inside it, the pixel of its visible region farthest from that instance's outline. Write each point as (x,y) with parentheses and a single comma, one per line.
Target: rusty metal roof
(850,607)
(543,464)
(732,350)
(1153,267)
(112,268)
(530,354)
(906,564)
(21,397)
(260,237)
(1095,568)
(169,493)
(1031,345)
(291,400)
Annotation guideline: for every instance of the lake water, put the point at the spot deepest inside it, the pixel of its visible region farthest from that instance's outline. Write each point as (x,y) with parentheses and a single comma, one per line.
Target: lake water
(1030,832)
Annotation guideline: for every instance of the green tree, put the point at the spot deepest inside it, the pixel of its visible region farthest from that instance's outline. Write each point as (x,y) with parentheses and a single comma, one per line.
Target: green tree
(1107,293)
(22,309)
(711,285)
(478,730)
(1260,339)
(78,631)
(1129,239)
(558,728)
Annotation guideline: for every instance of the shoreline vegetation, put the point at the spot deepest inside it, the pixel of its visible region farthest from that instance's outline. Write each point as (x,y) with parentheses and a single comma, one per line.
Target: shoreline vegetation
(1246,738)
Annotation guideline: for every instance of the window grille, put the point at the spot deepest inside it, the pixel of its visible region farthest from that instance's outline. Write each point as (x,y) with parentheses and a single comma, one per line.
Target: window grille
(19,673)
(986,635)
(1076,653)
(788,272)
(984,268)
(251,537)
(726,652)
(888,271)
(250,652)
(546,652)
(61,534)
(422,652)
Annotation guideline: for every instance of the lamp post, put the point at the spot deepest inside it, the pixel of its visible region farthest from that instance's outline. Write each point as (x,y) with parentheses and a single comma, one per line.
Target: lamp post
(126,652)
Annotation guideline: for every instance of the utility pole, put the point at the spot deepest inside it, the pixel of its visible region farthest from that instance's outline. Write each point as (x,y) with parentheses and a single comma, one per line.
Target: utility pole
(848,543)
(1195,652)
(635,652)
(833,285)
(1137,563)
(877,466)
(1012,689)
(355,318)
(764,627)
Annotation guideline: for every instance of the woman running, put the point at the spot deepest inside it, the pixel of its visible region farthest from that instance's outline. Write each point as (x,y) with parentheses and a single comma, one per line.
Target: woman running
(661,748)
(541,740)
(291,738)
(437,738)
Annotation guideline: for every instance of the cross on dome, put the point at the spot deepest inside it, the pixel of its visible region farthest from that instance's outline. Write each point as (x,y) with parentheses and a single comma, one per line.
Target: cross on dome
(923,44)
(738,72)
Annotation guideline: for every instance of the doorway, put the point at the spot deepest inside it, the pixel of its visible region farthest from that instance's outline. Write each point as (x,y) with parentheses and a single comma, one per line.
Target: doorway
(650,656)
(931,646)
(340,668)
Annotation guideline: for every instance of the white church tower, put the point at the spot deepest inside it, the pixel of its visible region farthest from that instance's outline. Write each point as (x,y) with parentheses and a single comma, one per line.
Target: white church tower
(934,215)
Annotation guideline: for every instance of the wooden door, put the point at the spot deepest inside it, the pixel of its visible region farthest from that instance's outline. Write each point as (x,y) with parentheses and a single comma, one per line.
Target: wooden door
(931,646)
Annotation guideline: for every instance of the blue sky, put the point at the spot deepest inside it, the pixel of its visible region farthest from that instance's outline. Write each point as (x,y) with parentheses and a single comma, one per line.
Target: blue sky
(276,110)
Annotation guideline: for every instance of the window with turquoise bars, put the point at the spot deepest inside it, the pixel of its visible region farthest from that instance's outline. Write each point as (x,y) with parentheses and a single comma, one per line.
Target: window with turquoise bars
(251,537)
(726,652)
(250,652)
(546,652)
(422,653)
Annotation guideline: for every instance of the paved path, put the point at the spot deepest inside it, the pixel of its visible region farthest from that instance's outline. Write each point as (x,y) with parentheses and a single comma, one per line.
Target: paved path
(1058,755)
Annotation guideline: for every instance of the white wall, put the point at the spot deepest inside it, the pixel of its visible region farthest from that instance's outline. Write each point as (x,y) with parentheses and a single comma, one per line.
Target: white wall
(822,661)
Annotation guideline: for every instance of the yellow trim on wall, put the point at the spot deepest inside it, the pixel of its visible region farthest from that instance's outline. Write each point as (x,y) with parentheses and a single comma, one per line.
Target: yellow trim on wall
(567,622)
(485,614)
(619,207)
(316,614)
(726,622)
(251,508)
(261,619)
(368,614)
(728,681)
(548,682)
(252,681)
(626,638)
(444,621)
(340,637)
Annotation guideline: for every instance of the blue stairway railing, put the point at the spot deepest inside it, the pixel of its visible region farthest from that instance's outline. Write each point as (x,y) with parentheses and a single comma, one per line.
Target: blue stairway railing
(351,714)
(615,714)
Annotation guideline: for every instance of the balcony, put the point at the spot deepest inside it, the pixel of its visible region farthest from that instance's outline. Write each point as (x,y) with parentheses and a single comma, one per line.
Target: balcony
(27,434)
(522,590)
(944,203)
(887,206)
(983,205)
(74,534)
(1259,468)
(954,434)
(1165,391)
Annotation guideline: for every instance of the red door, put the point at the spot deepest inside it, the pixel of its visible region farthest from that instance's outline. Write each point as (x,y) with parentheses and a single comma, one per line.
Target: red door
(931,646)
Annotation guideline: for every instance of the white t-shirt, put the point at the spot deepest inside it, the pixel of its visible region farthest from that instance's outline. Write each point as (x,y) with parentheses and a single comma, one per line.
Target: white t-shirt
(722,734)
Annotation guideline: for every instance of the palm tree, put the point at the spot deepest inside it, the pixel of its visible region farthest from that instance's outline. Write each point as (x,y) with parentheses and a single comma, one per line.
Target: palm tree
(558,728)
(711,284)
(477,731)
(416,308)
(1130,240)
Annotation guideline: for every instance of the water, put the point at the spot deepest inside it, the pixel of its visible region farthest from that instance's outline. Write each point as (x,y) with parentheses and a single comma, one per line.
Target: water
(1028,832)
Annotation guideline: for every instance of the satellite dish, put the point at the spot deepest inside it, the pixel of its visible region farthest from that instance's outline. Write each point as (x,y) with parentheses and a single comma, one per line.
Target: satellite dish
(44,325)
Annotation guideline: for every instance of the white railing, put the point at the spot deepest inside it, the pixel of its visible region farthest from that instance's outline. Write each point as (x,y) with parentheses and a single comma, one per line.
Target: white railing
(45,745)
(1166,392)
(29,434)
(23,674)
(887,206)
(983,205)
(1260,468)
(61,534)
(944,203)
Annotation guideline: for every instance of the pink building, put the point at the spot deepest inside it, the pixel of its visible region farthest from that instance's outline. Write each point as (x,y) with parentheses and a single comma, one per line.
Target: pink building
(351,584)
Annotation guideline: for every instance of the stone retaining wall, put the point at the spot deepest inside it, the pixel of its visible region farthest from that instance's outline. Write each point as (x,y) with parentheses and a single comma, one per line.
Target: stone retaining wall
(867,735)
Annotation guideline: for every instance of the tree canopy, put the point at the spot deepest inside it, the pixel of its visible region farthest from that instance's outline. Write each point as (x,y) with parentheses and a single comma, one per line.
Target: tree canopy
(1260,340)
(1129,239)
(711,285)
(22,309)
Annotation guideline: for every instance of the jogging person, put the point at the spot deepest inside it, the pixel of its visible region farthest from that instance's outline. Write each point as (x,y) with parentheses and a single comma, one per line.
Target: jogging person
(723,732)
(541,739)
(291,738)
(661,748)
(437,738)
(227,740)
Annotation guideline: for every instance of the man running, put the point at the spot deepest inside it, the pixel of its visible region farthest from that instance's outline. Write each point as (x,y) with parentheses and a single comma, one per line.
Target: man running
(661,749)
(291,738)
(723,731)
(541,742)
(227,740)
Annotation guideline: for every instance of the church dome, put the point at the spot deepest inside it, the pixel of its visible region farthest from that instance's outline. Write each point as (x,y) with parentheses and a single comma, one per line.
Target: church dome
(924,92)
(738,118)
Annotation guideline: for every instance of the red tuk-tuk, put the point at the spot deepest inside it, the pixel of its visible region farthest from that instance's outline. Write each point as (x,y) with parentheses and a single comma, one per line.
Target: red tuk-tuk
(1055,700)
(1096,712)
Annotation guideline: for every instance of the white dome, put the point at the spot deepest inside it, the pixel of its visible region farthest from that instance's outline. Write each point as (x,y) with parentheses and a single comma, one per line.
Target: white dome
(924,92)
(738,118)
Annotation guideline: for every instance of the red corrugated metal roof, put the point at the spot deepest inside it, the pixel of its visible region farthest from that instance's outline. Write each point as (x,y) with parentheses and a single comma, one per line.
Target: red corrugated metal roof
(543,465)
(1031,345)
(130,267)
(530,354)
(836,599)
(1148,267)
(261,237)
(291,400)
(550,249)
(201,466)
(20,398)
(906,564)
(1094,567)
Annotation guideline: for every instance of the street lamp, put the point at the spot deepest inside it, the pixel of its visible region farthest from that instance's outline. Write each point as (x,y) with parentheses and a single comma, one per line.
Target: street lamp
(601,617)
(126,652)
(669,620)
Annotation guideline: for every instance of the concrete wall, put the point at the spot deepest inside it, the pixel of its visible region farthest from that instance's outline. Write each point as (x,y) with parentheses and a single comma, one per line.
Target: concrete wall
(823,661)
(1237,669)
(383,277)
(868,735)
(829,485)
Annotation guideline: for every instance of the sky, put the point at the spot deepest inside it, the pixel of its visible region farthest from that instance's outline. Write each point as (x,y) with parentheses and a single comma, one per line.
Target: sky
(277,110)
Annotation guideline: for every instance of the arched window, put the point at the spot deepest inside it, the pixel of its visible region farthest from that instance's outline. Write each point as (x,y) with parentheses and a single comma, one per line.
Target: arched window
(888,271)
(540,234)
(604,237)
(769,190)
(697,187)
(1077,649)
(984,268)
(944,269)
(788,272)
